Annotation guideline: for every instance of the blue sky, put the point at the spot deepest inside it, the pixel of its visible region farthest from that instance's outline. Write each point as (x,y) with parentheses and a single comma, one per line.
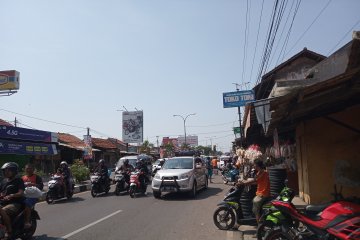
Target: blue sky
(81,61)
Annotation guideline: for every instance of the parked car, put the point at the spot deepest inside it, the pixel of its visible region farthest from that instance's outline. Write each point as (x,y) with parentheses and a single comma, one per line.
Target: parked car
(180,174)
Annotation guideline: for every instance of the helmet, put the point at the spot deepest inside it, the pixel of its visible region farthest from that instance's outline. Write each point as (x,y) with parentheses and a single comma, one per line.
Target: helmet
(11,166)
(101,161)
(126,161)
(63,163)
(138,163)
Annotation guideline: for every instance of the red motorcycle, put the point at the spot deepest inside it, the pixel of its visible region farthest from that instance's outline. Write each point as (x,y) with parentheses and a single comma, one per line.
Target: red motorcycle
(137,183)
(336,220)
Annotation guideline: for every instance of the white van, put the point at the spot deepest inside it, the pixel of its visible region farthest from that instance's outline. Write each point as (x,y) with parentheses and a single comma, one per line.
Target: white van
(221,163)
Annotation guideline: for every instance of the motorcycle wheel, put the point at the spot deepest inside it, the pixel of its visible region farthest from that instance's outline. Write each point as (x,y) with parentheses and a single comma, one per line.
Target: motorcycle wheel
(28,234)
(132,192)
(263,228)
(117,191)
(277,234)
(224,218)
(69,195)
(93,193)
(49,199)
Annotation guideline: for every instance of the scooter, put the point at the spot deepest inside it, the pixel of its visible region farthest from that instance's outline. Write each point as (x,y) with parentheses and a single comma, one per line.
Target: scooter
(230,175)
(98,186)
(56,189)
(18,226)
(135,185)
(337,220)
(121,184)
(235,209)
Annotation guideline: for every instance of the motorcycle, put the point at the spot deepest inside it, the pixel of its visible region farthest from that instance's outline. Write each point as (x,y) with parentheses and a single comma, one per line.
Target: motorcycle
(231,209)
(98,185)
(121,184)
(56,189)
(135,185)
(18,226)
(230,175)
(339,219)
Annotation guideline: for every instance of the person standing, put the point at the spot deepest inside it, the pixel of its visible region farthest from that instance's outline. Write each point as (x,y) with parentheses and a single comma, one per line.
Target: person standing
(31,180)
(209,168)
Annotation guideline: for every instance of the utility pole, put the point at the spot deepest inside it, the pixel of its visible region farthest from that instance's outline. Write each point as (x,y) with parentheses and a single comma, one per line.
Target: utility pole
(15,122)
(157,143)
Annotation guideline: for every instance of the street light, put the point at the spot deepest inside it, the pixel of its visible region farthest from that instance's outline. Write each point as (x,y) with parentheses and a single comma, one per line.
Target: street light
(184,119)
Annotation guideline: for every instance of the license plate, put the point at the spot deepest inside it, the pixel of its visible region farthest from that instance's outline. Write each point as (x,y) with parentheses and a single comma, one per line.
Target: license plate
(168,189)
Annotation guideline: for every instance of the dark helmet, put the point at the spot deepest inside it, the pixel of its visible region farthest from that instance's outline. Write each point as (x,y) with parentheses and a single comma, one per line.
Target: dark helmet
(11,166)
(126,161)
(138,163)
(101,161)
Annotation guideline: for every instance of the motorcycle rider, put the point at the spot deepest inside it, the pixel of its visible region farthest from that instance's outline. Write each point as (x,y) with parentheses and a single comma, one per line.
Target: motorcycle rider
(125,169)
(142,168)
(12,194)
(263,186)
(66,173)
(102,169)
(30,180)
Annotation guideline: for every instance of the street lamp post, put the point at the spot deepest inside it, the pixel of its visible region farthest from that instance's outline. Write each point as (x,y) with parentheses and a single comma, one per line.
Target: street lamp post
(184,119)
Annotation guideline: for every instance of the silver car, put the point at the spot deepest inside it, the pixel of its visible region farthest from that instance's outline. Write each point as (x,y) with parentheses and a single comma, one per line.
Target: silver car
(180,174)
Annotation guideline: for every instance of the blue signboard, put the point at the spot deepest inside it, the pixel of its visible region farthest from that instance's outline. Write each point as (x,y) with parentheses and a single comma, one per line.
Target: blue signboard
(238,98)
(27,134)
(30,148)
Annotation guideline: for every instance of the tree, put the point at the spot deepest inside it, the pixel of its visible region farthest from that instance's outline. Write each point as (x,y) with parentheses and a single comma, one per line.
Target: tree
(146,147)
(169,149)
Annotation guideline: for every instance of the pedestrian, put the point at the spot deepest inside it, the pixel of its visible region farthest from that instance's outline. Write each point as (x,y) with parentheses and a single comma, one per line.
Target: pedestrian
(209,168)
(30,180)
(214,164)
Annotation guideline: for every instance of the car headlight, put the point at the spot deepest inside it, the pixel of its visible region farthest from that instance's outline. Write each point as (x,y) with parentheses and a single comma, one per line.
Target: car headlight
(157,176)
(185,176)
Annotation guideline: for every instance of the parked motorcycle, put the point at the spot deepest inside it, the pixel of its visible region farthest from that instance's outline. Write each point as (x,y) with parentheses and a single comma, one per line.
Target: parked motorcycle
(135,185)
(121,184)
(56,189)
(234,209)
(18,226)
(336,220)
(98,185)
(230,175)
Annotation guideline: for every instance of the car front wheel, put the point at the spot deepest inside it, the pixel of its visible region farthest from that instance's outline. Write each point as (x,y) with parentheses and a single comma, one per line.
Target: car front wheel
(193,190)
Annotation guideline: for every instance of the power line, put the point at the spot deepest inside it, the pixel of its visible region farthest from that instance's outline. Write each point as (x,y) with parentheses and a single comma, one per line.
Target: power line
(257,38)
(245,42)
(345,35)
(316,18)
(213,125)
(44,120)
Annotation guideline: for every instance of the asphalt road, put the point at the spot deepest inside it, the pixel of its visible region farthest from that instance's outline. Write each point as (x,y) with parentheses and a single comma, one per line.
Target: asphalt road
(175,216)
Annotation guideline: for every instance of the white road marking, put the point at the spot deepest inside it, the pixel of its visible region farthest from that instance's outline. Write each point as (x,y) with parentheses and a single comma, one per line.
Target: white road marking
(90,225)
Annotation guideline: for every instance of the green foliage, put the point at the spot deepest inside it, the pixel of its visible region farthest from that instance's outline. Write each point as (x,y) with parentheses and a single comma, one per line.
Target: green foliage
(80,171)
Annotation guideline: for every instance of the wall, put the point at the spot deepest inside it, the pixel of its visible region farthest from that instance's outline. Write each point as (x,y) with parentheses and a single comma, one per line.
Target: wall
(328,153)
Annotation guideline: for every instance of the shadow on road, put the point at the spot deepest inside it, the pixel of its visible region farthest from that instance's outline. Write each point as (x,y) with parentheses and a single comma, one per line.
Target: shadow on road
(202,194)
(72,200)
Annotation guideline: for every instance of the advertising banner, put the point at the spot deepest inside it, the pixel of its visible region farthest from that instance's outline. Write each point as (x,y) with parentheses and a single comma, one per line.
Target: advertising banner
(238,98)
(132,127)
(191,140)
(27,134)
(9,80)
(88,147)
(12,147)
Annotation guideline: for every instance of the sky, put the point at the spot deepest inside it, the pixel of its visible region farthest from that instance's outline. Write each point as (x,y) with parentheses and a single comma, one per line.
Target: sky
(82,62)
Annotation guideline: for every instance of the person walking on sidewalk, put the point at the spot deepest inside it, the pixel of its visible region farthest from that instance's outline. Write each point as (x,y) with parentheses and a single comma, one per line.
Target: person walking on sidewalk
(30,180)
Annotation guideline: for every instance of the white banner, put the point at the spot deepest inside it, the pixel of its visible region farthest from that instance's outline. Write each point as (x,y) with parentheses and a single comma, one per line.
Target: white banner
(191,140)
(132,127)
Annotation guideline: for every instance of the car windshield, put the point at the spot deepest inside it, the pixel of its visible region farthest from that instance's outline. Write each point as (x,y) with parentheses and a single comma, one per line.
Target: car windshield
(179,163)
(157,162)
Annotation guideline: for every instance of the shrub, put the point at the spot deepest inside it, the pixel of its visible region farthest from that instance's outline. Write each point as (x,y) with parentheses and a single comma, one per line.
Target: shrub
(79,171)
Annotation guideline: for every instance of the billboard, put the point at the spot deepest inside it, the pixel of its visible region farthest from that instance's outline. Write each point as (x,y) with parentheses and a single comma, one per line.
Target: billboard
(9,80)
(238,98)
(28,148)
(27,134)
(88,147)
(132,127)
(191,140)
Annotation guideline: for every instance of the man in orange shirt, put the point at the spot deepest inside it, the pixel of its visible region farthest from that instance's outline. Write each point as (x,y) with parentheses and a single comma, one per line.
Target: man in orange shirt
(263,187)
